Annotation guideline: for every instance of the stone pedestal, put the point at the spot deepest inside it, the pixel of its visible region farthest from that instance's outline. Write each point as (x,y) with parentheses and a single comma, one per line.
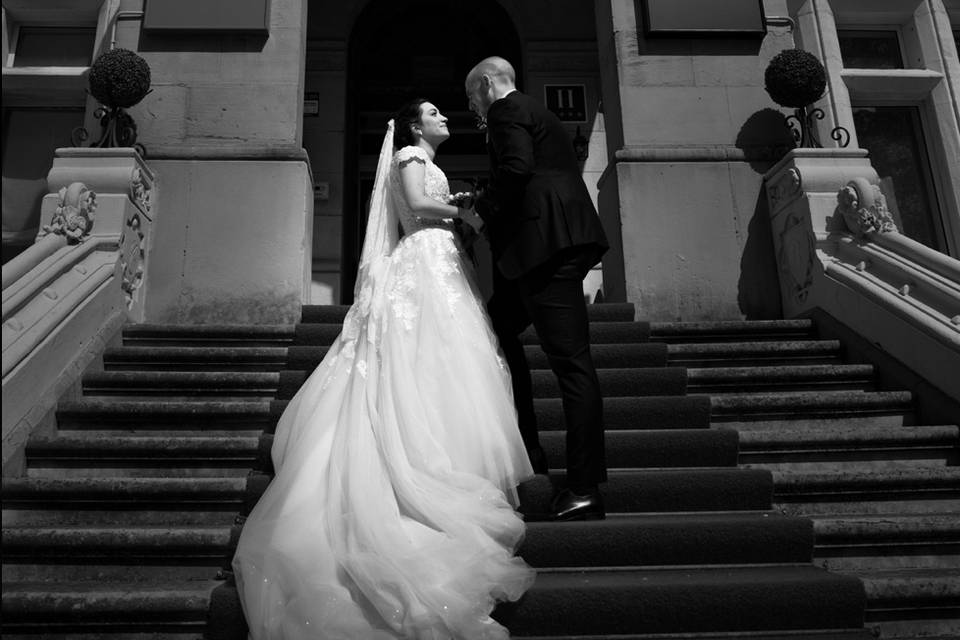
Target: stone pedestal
(802,194)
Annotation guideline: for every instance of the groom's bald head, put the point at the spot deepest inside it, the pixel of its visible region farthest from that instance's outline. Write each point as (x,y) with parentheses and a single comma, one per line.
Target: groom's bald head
(491,79)
(496,68)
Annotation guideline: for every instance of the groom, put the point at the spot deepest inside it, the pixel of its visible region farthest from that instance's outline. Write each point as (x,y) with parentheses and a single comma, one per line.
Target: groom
(545,236)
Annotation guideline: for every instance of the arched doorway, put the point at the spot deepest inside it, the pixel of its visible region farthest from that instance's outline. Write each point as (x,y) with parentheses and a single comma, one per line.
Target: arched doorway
(401,49)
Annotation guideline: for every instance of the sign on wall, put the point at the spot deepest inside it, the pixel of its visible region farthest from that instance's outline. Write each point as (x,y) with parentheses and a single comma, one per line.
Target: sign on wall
(693,17)
(311,103)
(200,16)
(568,101)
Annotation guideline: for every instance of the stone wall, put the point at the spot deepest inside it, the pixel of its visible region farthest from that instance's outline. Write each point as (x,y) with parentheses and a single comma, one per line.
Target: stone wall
(697,131)
(223,131)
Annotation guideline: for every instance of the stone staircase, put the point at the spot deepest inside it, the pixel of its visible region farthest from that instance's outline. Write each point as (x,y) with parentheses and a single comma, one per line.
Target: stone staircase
(746,458)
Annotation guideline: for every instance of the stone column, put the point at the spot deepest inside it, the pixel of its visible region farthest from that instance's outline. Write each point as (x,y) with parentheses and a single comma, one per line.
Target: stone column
(691,131)
(222,130)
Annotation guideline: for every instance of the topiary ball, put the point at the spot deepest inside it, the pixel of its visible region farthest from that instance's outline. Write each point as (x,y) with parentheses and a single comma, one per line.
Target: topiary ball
(119,78)
(795,78)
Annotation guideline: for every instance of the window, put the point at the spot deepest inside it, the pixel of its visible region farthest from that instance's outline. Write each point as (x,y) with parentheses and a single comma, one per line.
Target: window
(861,49)
(54,46)
(894,137)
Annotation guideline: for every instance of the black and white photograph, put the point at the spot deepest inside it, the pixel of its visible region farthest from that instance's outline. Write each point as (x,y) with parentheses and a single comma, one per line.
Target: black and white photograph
(480,319)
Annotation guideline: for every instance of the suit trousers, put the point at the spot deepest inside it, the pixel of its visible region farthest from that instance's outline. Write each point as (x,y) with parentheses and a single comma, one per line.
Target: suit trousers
(550,297)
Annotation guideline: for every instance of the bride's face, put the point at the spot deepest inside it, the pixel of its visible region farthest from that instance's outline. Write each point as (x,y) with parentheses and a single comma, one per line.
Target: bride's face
(433,124)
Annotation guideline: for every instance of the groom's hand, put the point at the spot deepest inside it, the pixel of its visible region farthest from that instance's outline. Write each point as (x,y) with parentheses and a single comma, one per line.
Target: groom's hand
(470,217)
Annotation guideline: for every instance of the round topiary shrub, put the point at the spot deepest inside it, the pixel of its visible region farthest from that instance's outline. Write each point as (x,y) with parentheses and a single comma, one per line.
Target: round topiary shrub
(795,78)
(119,78)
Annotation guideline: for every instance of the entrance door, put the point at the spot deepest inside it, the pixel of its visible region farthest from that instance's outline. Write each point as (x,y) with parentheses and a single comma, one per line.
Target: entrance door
(404,49)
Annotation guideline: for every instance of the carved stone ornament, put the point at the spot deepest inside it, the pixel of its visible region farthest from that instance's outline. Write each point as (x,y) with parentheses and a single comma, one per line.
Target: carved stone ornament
(74,215)
(797,257)
(132,253)
(788,185)
(863,208)
(140,190)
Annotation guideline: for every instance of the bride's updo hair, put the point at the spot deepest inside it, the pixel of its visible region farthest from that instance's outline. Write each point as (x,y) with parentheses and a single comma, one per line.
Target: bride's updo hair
(404,121)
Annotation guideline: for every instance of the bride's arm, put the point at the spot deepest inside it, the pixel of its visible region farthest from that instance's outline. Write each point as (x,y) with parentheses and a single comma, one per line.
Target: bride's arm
(413,178)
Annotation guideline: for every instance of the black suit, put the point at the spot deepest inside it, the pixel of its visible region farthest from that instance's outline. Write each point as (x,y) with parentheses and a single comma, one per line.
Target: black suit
(545,236)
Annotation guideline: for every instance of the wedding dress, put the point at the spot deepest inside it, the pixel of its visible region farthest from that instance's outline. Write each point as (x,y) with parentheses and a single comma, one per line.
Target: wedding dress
(397,461)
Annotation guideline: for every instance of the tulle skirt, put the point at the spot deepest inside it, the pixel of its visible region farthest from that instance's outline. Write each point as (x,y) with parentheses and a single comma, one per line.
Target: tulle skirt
(390,514)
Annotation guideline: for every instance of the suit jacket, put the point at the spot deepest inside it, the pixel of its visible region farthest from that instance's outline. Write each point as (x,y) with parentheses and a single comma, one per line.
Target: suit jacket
(536,204)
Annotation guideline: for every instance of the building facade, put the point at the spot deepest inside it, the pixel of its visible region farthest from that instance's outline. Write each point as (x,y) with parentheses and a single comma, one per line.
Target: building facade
(263,126)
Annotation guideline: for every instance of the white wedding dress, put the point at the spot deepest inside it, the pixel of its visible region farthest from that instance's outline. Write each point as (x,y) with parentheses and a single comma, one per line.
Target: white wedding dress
(397,461)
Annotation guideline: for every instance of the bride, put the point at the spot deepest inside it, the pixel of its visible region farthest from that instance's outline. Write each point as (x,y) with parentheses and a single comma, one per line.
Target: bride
(390,515)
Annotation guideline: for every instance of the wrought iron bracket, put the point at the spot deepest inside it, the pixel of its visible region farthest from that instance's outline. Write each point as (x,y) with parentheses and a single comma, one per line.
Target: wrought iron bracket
(803,127)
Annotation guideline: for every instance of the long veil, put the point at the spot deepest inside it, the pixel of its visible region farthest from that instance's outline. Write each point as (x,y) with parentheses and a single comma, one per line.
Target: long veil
(382,231)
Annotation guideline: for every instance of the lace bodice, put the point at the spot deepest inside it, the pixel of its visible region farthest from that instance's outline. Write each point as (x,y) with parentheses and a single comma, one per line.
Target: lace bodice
(435,186)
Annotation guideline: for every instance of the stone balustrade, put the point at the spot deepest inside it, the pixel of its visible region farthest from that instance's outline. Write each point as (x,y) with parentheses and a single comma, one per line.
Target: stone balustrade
(838,249)
(67,295)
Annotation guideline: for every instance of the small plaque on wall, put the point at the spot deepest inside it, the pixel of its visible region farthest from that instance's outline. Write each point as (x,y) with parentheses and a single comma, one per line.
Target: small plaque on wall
(311,104)
(202,16)
(703,17)
(568,101)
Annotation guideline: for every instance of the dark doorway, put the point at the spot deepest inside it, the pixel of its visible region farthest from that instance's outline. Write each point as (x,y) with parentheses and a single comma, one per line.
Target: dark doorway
(402,49)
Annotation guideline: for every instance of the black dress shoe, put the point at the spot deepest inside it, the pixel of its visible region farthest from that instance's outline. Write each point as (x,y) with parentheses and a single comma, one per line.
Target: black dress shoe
(571,506)
(538,460)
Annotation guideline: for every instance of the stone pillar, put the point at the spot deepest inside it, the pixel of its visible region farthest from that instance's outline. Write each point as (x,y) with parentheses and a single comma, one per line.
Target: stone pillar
(124,185)
(802,191)
(691,132)
(222,130)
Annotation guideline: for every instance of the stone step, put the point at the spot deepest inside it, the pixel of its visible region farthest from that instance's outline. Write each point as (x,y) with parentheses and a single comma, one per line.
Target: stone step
(628,491)
(628,449)
(73,455)
(247,384)
(807,409)
(75,553)
(616,383)
(669,539)
(176,607)
(913,603)
(908,491)
(736,330)
(334,314)
(124,514)
(776,634)
(24,497)
(600,333)
(654,448)
(857,543)
(136,358)
(651,412)
(121,416)
(220,456)
(170,358)
(165,417)
(754,353)
(664,490)
(605,356)
(669,600)
(850,447)
(208,335)
(284,384)
(716,380)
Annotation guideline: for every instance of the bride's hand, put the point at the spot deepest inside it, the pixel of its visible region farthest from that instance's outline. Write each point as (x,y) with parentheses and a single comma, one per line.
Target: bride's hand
(463,199)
